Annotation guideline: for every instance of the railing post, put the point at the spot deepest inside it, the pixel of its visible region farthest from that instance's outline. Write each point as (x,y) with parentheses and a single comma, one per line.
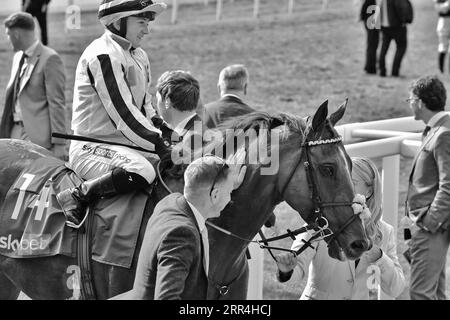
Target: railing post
(174,11)
(390,177)
(256,272)
(219,10)
(291,6)
(256,9)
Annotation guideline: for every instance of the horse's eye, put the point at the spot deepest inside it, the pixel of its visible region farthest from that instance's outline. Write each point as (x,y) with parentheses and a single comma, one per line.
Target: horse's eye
(327,170)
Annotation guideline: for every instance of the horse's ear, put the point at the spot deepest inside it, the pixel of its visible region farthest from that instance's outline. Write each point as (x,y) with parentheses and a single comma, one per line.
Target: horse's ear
(320,116)
(339,113)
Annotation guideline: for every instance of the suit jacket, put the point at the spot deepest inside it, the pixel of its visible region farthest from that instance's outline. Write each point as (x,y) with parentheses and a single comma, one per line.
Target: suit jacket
(33,6)
(41,97)
(223,109)
(364,15)
(330,279)
(191,141)
(396,11)
(170,265)
(429,181)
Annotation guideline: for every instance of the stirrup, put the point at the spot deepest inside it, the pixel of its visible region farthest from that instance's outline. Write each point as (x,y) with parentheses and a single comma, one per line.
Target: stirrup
(77,226)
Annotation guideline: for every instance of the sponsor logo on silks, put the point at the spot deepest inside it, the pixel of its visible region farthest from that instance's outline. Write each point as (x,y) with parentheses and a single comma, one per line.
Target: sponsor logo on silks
(104,152)
(28,245)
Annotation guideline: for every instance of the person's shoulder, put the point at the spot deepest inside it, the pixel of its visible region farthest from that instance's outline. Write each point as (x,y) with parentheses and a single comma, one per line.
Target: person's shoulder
(386,229)
(169,201)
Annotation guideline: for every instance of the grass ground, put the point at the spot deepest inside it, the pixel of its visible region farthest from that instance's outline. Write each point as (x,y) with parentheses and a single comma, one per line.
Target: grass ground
(295,63)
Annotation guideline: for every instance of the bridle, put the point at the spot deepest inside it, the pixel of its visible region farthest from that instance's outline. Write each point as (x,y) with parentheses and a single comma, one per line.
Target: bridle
(320,225)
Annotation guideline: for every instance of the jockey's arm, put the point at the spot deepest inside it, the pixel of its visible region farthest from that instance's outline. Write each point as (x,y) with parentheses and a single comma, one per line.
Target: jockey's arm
(110,84)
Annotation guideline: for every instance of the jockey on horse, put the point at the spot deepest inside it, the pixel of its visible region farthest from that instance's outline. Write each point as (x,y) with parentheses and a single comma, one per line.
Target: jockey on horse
(111,102)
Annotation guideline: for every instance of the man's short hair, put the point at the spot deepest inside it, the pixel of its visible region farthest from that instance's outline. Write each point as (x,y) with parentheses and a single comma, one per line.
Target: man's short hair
(21,20)
(181,88)
(233,77)
(204,172)
(431,91)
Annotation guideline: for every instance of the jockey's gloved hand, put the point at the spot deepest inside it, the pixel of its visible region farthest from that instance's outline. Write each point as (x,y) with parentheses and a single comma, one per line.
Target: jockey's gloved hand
(163,149)
(167,133)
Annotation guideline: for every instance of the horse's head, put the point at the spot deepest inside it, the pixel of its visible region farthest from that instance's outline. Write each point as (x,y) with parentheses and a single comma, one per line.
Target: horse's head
(318,182)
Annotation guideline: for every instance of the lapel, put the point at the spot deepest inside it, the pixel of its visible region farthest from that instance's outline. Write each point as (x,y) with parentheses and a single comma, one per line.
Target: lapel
(14,69)
(427,139)
(190,125)
(183,205)
(32,61)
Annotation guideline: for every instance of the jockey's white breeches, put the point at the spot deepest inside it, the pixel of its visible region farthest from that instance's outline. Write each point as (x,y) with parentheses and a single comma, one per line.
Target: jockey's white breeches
(92,160)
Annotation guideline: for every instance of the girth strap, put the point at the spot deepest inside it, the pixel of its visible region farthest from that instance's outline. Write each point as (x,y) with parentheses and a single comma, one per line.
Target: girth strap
(84,257)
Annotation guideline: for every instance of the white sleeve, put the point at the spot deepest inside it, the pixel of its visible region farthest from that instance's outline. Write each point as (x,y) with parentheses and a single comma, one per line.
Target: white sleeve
(391,273)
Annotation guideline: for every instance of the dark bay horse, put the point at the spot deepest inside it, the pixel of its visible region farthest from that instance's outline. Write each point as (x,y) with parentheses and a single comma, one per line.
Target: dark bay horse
(253,202)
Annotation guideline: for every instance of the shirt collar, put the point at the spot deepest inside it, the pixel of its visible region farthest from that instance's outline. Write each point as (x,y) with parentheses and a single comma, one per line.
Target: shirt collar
(435,119)
(31,49)
(124,43)
(179,129)
(198,217)
(231,95)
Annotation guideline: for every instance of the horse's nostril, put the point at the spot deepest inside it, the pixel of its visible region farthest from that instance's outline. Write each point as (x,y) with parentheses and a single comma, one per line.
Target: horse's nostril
(358,245)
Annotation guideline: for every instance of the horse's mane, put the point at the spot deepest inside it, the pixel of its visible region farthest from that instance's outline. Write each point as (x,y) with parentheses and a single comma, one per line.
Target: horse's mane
(263,120)
(256,121)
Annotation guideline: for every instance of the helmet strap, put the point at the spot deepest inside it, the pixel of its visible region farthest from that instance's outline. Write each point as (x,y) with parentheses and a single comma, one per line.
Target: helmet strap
(122,28)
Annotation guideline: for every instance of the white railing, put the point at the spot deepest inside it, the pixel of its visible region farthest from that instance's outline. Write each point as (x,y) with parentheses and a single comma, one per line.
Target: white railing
(386,139)
(256,8)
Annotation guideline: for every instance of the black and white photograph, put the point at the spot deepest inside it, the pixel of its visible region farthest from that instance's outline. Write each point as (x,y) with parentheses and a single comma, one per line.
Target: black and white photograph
(253,152)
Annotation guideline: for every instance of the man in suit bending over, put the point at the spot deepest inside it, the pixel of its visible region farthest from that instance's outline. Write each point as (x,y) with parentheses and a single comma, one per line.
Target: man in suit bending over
(174,259)
(232,86)
(35,101)
(178,94)
(428,199)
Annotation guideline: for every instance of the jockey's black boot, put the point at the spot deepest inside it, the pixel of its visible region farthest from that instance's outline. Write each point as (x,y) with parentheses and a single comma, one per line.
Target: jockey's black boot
(75,201)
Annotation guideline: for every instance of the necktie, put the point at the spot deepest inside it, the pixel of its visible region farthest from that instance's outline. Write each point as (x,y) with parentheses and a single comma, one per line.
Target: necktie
(205,241)
(425,132)
(17,78)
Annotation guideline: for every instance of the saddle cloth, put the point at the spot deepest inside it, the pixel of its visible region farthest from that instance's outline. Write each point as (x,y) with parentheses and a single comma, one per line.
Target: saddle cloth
(32,223)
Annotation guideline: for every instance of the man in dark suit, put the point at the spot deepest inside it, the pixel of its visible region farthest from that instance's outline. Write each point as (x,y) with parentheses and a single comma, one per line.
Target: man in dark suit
(394,17)
(35,95)
(368,16)
(428,199)
(38,9)
(232,86)
(174,259)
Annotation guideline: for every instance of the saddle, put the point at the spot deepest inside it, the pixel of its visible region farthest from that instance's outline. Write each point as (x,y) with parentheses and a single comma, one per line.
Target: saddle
(32,223)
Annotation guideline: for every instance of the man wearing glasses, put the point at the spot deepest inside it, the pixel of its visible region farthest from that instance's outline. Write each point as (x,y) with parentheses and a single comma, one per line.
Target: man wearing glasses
(428,198)
(174,259)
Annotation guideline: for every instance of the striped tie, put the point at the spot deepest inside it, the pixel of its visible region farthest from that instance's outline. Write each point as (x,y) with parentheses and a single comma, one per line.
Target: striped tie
(425,132)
